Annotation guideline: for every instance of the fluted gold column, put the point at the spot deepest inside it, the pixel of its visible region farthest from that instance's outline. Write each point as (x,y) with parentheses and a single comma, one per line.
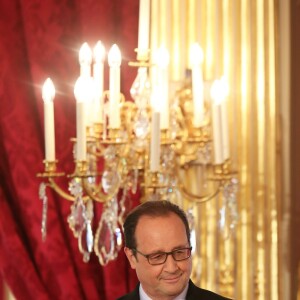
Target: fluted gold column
(273,120)
(244,146)
(258,139)
(238,38)
(209,40)
(178,34)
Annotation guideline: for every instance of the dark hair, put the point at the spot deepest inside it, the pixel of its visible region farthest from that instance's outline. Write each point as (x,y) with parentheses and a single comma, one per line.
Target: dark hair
(153,208)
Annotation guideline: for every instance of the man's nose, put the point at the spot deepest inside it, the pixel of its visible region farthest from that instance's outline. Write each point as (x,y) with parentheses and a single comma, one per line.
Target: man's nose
(171,264)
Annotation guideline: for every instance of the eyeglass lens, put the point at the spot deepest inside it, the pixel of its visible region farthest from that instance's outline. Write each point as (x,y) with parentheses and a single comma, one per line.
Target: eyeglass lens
(178,255)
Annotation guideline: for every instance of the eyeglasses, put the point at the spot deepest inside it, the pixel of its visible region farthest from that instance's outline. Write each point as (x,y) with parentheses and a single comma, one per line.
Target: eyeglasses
(160,258)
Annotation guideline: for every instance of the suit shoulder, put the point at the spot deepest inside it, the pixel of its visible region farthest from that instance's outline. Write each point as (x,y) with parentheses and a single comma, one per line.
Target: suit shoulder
(134,295)
(209,295)
(128,297)
(213,296)
(195,291)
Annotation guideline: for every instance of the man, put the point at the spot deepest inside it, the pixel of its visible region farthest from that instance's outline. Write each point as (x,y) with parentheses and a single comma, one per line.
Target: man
(157,245)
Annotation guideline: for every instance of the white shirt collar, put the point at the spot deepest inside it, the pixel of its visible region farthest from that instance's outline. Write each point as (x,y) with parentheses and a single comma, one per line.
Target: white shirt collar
(181,296)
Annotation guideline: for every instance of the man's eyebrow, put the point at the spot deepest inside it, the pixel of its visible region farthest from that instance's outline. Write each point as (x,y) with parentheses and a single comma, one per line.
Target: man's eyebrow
(175,248)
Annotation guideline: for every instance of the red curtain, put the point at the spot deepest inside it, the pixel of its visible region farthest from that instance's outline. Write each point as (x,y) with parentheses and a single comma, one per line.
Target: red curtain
(40,39)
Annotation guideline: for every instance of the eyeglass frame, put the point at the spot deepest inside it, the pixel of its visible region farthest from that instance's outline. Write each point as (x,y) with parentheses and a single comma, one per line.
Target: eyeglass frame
(166,255)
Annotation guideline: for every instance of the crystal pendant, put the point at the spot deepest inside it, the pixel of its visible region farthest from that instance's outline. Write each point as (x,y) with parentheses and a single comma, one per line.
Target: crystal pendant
(44,198)
(75,188)
(229,212)
(104,241)
(195,240)
(191,220)
(114,220)
(141,125)
(85,242)
(76,219)
(108,239)
(118,239)
(110,154)
(135,181)
(168,157)
(125,206)
(110,181)
(86,238)
(141,89)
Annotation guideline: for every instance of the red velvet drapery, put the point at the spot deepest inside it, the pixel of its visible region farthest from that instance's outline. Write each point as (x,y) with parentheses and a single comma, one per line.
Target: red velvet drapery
(40,39)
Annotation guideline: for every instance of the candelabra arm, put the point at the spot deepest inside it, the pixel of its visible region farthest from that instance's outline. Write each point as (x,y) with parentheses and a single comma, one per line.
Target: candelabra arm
(199,199)
(98,195)
(59,190)
(50,173)
(222,172)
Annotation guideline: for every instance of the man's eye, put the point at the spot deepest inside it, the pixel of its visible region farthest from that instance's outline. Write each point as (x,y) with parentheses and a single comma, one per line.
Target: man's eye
(180,251)
(157,256)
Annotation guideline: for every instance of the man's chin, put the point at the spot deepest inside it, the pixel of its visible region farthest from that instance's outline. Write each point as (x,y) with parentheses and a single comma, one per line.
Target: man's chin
(173,287)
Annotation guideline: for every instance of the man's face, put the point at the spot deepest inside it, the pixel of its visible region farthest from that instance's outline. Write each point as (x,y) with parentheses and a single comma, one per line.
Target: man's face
(161,234)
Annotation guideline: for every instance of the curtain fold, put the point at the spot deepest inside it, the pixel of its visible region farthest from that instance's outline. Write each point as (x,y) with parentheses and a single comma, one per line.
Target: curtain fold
(40,39)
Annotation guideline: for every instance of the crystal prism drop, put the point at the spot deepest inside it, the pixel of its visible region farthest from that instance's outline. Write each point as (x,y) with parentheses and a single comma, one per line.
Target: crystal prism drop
(89,237)
(82,246)
(141,126)
(118,239)
(135,181)
(42,190)
(110,154)
(224,222)
(75,188)
(76,219)
(141,88)
(85,242)
(44,198)
(110,181)
(125,207)
(104,242)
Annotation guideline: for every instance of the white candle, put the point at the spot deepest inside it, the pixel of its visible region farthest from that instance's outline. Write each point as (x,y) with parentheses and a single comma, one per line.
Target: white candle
(162,85)
(224,116)
(48,94)
(196,57)
(80,132)
(217,134)
(79,92)
(217,122)
(98,70)
(155,142)
(143,33)
(114,61)
(85,60)
(155,99)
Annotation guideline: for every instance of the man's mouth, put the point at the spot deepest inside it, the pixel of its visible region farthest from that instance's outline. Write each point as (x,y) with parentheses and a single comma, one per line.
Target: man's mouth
(172,279)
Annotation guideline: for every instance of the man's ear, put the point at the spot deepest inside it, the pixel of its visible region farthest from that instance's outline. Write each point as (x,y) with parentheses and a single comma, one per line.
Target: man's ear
(130,256)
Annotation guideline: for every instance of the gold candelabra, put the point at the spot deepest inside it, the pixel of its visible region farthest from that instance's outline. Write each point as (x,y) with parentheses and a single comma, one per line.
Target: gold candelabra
(119,161)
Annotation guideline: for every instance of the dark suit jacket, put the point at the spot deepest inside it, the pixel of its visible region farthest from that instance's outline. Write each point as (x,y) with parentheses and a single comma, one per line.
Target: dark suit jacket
(194,293)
